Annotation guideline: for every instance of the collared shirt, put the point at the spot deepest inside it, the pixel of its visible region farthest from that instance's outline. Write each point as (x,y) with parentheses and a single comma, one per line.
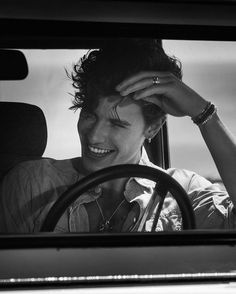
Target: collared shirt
(31,188)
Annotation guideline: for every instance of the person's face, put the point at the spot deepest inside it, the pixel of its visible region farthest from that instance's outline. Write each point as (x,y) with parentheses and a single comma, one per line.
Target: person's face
(110,137)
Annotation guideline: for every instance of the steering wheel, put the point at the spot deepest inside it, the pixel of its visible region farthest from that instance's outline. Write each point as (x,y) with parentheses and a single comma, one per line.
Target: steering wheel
(164,184)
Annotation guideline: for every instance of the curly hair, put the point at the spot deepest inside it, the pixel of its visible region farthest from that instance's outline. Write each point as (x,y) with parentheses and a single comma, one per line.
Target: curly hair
(99,71)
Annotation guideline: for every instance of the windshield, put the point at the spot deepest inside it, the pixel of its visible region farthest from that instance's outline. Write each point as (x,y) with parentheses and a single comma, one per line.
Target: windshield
(124,112)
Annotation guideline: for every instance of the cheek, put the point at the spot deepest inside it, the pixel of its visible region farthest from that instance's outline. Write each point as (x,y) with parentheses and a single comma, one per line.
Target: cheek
(79,128)
(84,124)
(82,127)
(130,139)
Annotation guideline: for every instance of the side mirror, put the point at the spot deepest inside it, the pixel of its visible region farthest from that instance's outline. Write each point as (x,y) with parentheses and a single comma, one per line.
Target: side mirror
(13,65)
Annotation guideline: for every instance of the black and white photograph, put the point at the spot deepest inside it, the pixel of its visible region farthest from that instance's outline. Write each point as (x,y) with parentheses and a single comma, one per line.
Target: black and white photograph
(118,146)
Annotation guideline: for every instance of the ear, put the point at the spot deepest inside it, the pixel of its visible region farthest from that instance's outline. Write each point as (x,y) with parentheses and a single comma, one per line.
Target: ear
(153,129)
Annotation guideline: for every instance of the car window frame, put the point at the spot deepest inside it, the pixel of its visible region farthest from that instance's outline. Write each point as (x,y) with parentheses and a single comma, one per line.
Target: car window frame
(52,34)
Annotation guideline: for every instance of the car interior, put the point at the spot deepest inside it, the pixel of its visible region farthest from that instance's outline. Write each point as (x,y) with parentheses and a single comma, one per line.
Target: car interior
(183,261)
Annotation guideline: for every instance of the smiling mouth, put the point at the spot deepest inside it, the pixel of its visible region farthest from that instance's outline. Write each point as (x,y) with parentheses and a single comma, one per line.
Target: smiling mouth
(99,152)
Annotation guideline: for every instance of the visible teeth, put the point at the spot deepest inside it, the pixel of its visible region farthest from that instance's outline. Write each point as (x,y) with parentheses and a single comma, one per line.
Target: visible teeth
(98,150)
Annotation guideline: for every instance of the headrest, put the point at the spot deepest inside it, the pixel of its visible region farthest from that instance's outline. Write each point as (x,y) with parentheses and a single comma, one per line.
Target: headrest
(23,129)
(13,59)
(23,133)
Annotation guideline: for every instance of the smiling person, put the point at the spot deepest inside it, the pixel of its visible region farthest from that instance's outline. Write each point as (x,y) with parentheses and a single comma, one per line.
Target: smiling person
(124,91)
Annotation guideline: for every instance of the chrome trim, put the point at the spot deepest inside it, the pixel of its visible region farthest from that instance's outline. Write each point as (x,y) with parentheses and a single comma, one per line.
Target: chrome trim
(120,278)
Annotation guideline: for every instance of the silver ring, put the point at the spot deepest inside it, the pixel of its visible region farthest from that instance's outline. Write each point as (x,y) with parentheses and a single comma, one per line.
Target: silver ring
(155,80)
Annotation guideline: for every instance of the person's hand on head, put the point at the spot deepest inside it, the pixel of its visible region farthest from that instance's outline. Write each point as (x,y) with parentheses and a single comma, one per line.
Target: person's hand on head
(165,90)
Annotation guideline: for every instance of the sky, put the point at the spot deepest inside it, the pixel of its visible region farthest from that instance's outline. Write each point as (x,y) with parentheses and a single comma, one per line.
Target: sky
(208,67)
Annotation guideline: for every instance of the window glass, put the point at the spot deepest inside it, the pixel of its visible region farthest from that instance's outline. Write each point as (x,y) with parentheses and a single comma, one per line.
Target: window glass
(209,68)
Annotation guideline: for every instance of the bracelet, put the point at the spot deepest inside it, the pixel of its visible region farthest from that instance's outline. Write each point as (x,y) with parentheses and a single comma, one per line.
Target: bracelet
(205,115)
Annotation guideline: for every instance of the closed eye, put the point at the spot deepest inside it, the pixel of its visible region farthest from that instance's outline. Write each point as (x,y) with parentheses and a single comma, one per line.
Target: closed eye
(120,123)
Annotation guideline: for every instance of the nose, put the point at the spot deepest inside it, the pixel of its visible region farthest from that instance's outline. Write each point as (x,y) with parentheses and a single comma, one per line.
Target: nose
(97,133)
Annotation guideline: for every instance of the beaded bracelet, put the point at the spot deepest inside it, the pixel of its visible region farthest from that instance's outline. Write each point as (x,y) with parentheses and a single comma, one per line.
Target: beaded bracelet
(205,115)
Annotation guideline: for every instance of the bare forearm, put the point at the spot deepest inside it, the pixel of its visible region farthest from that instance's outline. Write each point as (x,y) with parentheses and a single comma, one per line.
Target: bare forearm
(222,146)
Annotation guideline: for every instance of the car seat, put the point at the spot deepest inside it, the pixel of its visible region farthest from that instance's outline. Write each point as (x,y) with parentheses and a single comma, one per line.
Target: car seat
(23,132)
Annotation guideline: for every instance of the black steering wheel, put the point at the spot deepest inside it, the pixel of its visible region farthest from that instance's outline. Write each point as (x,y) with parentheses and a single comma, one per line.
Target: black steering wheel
(164,184)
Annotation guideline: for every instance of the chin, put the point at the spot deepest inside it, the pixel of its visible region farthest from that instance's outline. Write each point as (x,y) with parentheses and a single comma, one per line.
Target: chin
(94,163)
